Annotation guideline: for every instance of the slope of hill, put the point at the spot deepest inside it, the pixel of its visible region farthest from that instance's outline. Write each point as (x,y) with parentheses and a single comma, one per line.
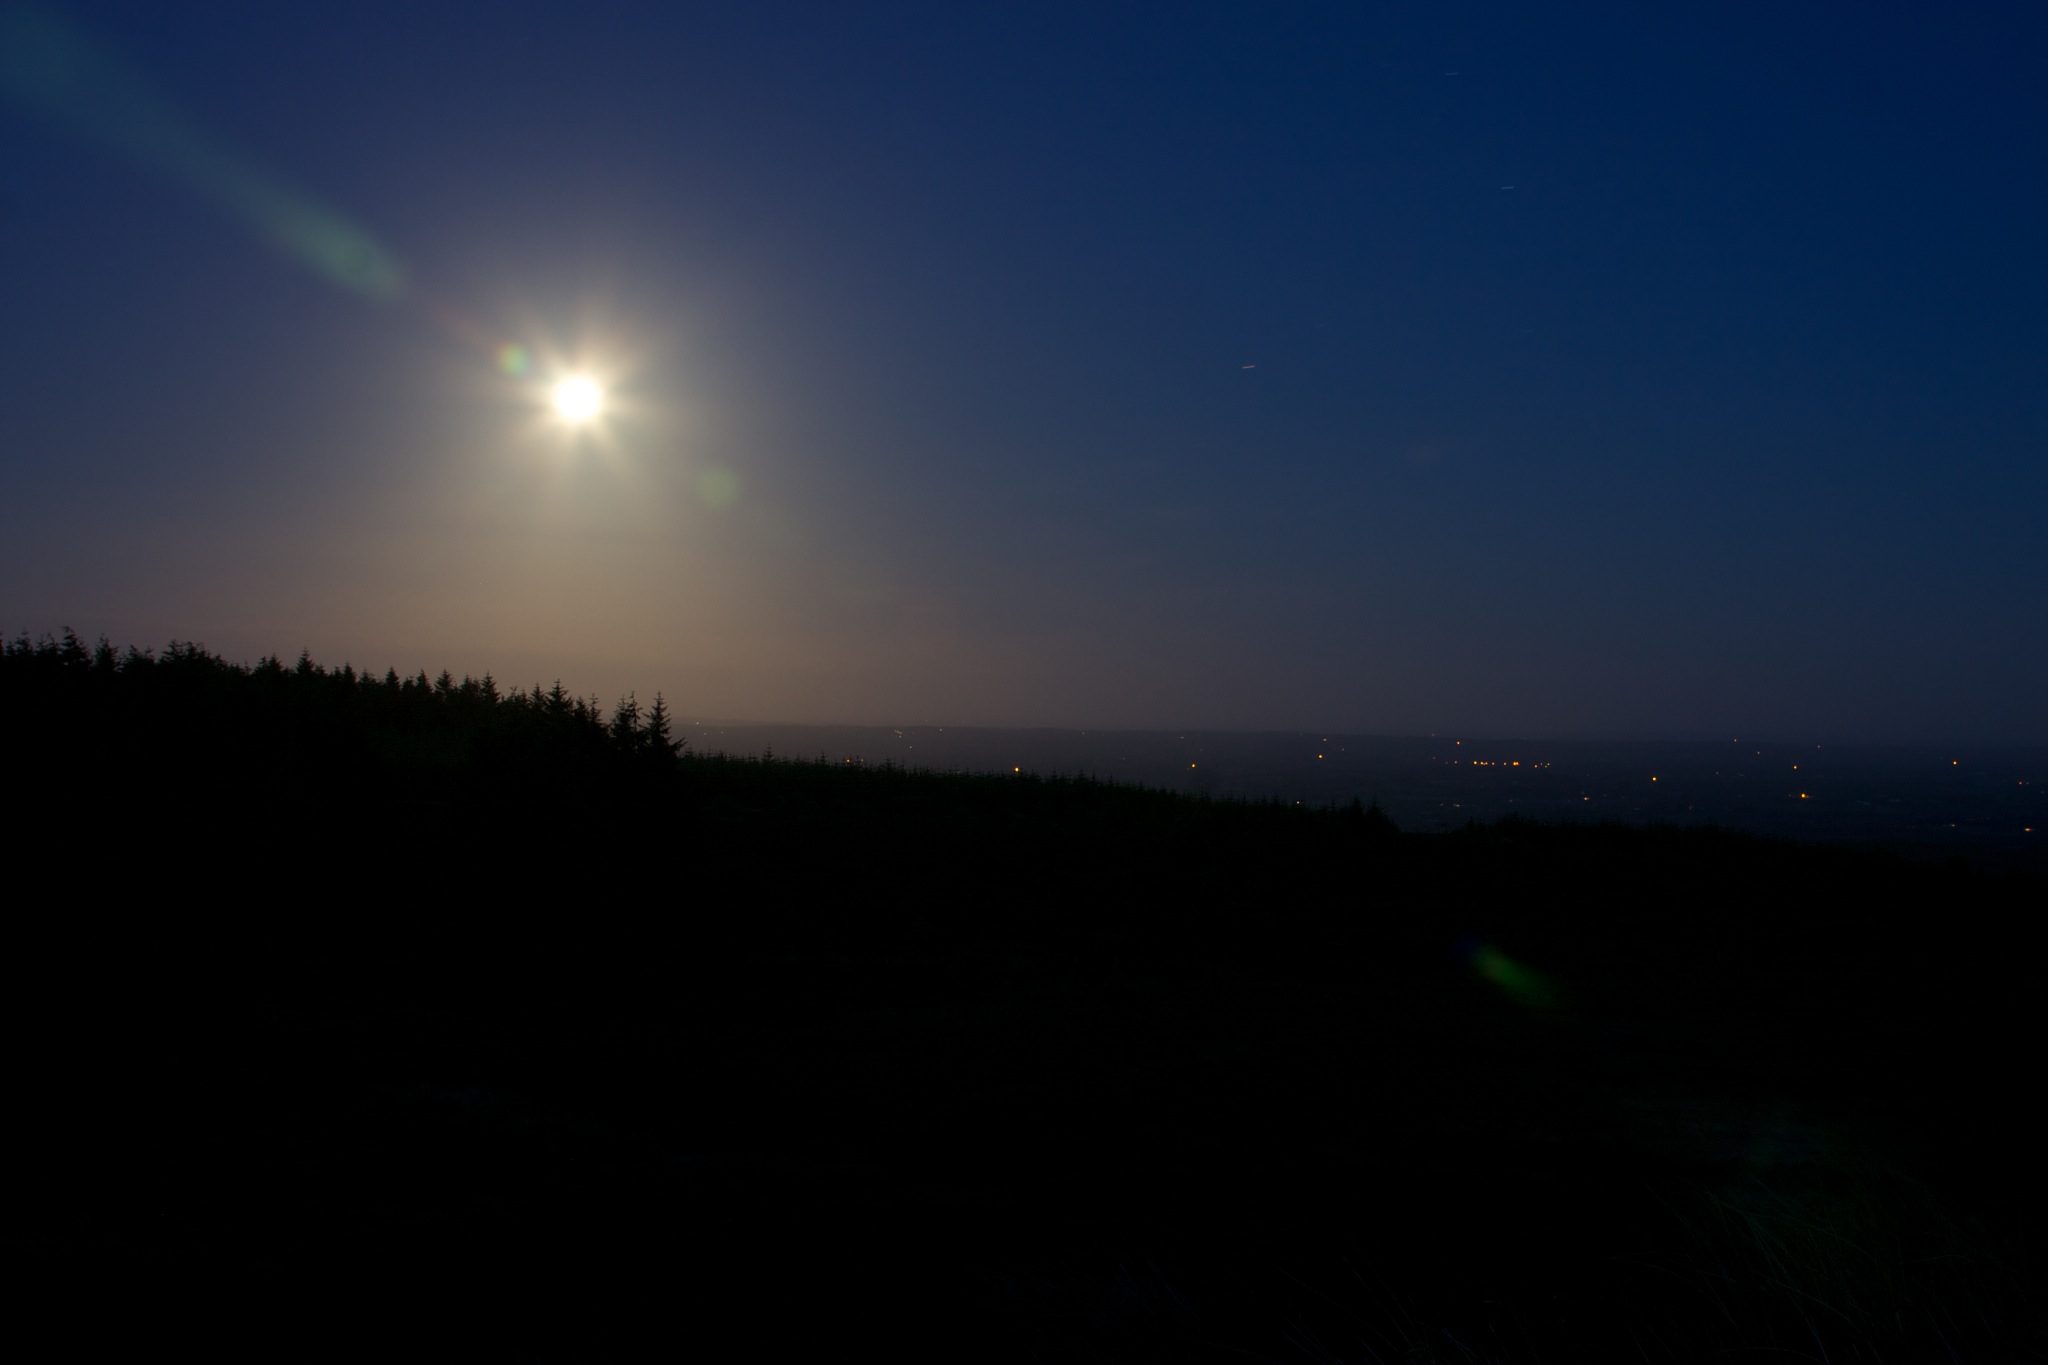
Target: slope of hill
(415,1010)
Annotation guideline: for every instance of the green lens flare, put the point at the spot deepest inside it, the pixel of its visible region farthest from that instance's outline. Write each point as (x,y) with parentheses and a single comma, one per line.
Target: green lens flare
(1521,984)
(53,70)
(514,362)
(719,487)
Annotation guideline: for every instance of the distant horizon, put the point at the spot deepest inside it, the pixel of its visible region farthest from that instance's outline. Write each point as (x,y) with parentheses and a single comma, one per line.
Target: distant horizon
(1466,736)
(504,678)
(1957,797)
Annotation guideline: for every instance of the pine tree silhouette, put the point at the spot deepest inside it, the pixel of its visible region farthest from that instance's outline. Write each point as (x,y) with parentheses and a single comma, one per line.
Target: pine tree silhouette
(625,726)
(658,738)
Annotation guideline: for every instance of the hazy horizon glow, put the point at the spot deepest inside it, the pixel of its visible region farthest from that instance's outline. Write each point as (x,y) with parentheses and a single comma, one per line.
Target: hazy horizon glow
(1597,373)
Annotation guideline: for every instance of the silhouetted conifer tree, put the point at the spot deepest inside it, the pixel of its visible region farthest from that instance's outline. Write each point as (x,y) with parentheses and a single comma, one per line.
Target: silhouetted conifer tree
(658,738)
(625,726)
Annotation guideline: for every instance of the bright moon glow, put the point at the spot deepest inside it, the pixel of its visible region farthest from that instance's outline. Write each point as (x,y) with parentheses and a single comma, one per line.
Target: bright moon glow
(578,400)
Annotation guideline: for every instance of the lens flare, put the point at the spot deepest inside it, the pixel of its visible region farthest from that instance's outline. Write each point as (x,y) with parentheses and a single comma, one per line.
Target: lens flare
(54,70)
(1519,982)
(719,487)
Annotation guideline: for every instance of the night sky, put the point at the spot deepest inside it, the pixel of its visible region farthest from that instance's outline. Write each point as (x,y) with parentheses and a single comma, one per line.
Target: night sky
(1625,371)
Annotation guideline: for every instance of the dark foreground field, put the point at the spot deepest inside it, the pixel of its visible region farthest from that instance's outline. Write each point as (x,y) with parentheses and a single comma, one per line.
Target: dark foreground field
(396,1017)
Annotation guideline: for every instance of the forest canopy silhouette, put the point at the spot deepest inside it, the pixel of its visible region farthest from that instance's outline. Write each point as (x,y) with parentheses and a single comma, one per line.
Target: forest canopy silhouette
(222,721)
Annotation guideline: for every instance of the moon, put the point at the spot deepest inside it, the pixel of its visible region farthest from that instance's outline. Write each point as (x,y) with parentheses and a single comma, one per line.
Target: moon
(578,400)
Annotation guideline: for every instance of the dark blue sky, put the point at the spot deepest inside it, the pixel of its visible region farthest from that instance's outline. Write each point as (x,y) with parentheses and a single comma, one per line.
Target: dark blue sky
(1546,371)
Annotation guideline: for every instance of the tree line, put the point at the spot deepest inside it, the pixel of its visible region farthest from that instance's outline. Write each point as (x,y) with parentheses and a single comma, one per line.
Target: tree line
(82,709)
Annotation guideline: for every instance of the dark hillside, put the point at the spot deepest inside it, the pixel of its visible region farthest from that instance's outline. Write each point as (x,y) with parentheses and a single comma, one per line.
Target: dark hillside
(417,1014)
